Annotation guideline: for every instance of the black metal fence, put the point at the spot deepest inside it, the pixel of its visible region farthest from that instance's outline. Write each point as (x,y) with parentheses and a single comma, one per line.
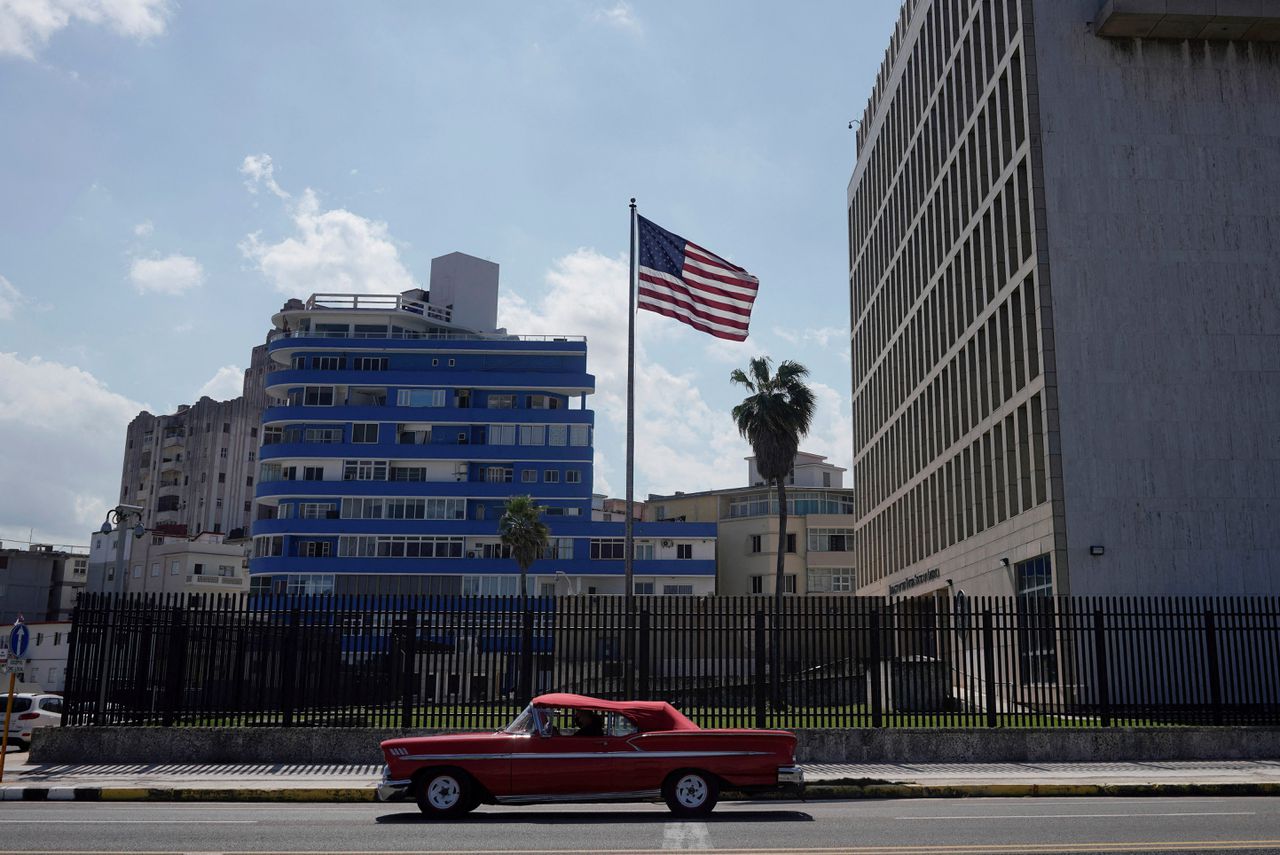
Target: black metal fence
(471,662)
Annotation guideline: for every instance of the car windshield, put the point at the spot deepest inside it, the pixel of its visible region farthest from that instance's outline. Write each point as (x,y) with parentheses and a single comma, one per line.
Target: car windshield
(526,722)
(19,704)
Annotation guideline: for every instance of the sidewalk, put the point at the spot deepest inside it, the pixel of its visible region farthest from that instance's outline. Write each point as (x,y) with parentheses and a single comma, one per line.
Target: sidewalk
(351,783)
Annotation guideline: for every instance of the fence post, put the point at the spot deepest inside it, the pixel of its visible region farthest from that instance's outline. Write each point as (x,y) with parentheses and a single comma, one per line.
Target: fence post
(69,680)
(874,671)
(989,664)
(104,661)
(644,654)
(409,654)
(1100,670)
(289,667)
(1215,673)
(177,665)
(762,678)
(526,657)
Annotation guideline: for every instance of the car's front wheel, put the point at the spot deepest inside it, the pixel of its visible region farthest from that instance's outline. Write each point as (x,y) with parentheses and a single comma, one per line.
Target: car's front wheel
(444,794)
(691,793)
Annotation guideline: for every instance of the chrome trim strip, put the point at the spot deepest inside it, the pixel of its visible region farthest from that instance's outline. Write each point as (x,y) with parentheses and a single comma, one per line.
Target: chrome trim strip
(577,797)
(585,755)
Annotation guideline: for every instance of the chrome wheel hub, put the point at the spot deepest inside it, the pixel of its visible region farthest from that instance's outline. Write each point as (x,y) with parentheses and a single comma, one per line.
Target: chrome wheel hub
(691,791)
(443,792)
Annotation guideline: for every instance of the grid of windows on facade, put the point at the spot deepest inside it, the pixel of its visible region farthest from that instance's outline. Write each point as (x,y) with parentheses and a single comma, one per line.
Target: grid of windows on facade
(830,539)
(1037,627)
(399,546)
(764,584)
(830,580)
(942,257)
(798,503)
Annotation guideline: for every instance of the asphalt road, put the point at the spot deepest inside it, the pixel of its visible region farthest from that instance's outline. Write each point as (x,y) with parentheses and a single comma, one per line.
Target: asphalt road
(948,827)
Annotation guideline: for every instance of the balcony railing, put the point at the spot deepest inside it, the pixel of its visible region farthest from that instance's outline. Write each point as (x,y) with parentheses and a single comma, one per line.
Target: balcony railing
(427,335)
(379,303)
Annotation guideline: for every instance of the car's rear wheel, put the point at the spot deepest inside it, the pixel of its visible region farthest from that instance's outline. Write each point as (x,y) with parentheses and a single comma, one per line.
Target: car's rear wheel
(445,793)
(691,793)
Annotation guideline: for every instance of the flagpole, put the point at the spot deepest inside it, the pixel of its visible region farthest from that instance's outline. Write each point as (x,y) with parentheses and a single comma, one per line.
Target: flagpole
(629,536)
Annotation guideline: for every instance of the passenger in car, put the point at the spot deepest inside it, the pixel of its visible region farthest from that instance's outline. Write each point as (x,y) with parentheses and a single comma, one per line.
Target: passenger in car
(589,723)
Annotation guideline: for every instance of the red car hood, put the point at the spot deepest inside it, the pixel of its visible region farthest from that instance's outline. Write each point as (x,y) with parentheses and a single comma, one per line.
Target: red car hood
(452,741)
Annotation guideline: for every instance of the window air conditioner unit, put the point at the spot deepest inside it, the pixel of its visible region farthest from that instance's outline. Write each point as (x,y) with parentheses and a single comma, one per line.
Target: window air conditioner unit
(471,555)
(667,544)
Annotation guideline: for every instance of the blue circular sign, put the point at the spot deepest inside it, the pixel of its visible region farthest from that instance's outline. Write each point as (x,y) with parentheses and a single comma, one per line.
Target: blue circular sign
(19,641)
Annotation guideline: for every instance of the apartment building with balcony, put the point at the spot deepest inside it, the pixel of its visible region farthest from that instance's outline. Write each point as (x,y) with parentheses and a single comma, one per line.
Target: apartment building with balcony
(164,562)
(40,582)
(402,423)
(819,542)
(192,470)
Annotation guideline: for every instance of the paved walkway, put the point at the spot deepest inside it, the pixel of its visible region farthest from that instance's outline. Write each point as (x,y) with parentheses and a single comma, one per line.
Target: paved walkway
(352,782)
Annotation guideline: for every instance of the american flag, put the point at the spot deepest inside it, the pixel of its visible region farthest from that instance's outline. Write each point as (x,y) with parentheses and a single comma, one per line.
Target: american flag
(682,280)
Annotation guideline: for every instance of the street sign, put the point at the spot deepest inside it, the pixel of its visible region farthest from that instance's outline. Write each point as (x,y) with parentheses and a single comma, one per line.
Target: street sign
(19,641)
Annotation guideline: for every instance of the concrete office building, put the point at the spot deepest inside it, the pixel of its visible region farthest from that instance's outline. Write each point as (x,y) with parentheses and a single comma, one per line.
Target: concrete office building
(400,426)
(192,471)
(40,583)
(1063,225)
(820,521)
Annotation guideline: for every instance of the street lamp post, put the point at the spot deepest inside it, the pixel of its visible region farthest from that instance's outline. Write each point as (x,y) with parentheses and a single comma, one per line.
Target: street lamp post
(120,517)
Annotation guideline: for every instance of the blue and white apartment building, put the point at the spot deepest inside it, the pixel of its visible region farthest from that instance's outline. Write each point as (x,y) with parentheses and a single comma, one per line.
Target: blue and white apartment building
(399,426)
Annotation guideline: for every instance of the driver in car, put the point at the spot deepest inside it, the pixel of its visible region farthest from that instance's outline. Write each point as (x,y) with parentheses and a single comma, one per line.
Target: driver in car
(589,723)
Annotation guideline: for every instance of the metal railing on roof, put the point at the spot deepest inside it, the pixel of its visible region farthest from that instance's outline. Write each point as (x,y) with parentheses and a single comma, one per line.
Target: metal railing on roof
(425,335)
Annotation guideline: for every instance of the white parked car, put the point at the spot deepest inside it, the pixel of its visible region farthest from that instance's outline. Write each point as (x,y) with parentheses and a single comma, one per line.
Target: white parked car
(30,710)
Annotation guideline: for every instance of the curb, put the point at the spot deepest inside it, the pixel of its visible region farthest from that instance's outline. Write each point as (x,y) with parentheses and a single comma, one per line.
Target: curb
(813,792)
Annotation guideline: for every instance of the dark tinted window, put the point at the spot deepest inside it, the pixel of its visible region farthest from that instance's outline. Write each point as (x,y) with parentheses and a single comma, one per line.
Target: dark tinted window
(19,704)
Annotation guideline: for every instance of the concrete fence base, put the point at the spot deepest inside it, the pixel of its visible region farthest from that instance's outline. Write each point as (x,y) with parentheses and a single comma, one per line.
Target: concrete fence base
(299,745)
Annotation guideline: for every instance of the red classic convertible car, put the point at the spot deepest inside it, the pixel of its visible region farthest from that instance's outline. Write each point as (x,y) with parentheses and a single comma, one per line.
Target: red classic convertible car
(573,748)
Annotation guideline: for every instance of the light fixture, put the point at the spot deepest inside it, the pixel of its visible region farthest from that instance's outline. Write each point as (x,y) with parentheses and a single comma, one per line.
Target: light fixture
(1004,562)
(1097,550)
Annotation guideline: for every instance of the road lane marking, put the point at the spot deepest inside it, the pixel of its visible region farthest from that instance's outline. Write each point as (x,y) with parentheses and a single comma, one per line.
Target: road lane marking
(129,821)
(686,835)
(1083,815)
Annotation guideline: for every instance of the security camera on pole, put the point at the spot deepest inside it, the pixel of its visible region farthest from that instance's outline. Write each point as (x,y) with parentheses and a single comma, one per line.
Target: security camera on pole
(122,515)
(19,641)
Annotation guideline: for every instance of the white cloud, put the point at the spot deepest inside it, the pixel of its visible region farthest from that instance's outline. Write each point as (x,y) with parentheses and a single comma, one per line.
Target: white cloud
(682,442)
(259,170)
(144,229)
(63,434)
(824,337)
(10,299)
(26,26)
(332,250)
(172,275)
(225,384)
(619,15)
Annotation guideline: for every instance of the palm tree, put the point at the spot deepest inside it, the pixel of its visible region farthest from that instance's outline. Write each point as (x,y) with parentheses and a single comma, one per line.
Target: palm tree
(773,418)
(525,534)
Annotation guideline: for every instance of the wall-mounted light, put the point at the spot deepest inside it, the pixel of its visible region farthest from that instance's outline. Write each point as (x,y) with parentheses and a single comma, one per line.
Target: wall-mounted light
(1097,550)
(1004,562)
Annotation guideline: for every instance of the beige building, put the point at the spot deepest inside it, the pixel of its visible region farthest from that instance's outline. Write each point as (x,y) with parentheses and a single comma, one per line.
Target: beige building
(164,563)
(818,551)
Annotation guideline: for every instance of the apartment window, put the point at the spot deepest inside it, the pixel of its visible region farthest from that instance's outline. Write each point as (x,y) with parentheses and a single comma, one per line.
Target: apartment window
(252,456)
(226,570)
(272,435)
(551,476)
(644,550)
(253,432)
(314,549)
(222,477)
(791,541)
(490,586)
(226,427)
(502,434)
(364,433)
(309,584)
(501,402)
(317,396)
(557,435)
(580,435)
(316,510)
(533,435)
(542,402)
(413,434)
(324,435)
(218,503)
(369,363)
(420,398)
(608,549)
(755,545)
(529,476)
(677,590)
(197,569)
(312,473)
(155,569)
(643,588)
(830,580)
(222,453)
(364,470)
(789,583)
(452,362)
(248,505)
(684,550)
(497,474)
(248,480)
(175,567)
(572,476)
(830,539)
(326,363)
(137,571)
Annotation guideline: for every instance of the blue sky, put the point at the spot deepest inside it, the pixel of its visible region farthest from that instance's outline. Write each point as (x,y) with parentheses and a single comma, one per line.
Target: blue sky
(171,173)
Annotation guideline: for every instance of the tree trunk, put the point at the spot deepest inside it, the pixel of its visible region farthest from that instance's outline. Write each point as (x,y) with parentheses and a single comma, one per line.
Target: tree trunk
(778,585)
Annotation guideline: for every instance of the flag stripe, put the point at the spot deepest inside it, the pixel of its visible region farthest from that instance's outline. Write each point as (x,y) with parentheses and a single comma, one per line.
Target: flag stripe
(687,282)
(710,295)
(695,323)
